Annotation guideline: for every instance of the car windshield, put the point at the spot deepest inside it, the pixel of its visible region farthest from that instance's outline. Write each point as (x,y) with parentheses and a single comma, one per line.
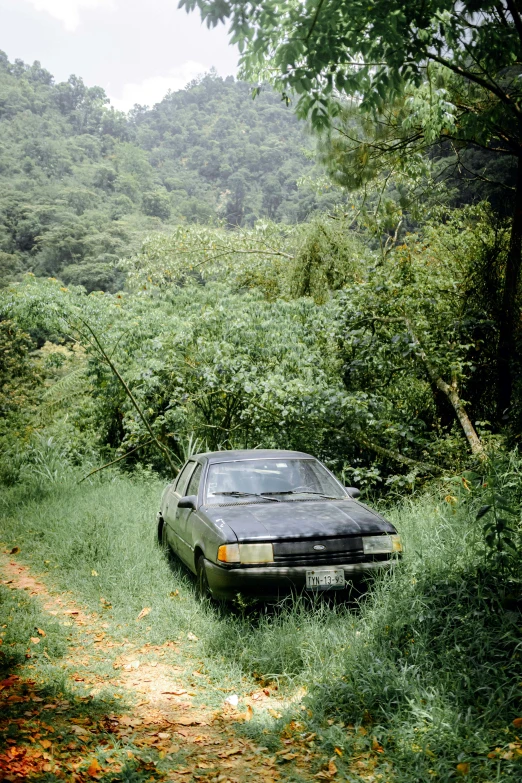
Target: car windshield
(270,479)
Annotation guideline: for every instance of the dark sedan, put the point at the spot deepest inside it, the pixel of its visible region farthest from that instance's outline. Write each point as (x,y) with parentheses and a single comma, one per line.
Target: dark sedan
(260,523)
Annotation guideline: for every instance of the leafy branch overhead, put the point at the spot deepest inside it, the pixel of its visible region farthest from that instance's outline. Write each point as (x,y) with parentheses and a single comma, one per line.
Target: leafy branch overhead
(440,72)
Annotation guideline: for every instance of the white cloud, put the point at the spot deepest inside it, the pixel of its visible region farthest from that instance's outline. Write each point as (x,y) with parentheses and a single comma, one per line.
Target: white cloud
(151,90)
(68,11)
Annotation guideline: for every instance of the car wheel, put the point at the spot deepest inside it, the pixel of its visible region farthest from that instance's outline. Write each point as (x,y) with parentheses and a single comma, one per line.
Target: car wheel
(162,537)
(202,586)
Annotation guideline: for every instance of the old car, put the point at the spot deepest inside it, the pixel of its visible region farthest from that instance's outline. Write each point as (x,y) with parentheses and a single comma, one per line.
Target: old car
(261,523)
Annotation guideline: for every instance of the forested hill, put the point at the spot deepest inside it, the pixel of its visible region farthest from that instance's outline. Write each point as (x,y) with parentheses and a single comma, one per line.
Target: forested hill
(80,183)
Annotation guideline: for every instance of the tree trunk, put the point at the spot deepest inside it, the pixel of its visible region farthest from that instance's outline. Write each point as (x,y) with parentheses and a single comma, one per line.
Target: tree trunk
(451,393)
(508,317)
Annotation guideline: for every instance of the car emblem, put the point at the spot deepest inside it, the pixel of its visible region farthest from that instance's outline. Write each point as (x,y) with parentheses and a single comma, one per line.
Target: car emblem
(319,547)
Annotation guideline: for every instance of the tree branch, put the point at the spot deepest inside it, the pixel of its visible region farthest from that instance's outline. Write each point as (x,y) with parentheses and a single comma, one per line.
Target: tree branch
(114,461)
(473,77)
(395,455)
(163,449)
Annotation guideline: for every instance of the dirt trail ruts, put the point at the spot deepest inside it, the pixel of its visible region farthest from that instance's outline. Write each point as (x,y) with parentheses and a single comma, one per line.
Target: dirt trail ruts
(164,718)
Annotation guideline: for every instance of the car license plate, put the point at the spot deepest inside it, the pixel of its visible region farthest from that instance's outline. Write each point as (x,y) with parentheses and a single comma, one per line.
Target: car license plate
(325,579)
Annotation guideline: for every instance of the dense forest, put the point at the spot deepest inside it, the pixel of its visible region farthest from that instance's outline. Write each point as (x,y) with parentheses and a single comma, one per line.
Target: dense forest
(326,256)
(81,184)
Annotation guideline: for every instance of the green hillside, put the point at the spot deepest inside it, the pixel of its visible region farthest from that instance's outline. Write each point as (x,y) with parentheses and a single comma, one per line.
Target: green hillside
(81,183)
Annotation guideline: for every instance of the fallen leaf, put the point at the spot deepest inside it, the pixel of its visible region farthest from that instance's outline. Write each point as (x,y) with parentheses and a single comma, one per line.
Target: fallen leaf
(377,746)
(80,731)
(94,573)
(46,743)
(174,594)
(42,633)
(7,683)
(35,639)
(332,769)
(14,550)
(192,637)
(47,767)
(463,768)
(338,751)
(288,756)
(164,735)
(177,692)
(94,768)
(517,723)
(231,752)
(249,713)
(144,612)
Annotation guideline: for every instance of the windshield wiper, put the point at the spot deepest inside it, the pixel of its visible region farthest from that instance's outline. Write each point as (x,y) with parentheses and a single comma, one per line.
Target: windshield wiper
(304,492)
(236,494)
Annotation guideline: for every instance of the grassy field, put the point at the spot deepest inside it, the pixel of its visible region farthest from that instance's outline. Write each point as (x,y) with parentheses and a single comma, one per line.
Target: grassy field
(419,681)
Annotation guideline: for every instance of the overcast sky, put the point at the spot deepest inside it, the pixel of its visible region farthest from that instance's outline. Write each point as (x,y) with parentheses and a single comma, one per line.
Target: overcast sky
(135,49)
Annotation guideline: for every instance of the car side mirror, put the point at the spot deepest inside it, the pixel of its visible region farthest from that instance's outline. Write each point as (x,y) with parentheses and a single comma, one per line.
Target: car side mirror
(189,501)
(353,492)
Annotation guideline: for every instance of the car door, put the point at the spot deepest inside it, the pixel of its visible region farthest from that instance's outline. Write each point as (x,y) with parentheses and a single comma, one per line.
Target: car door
(185,519)
(176,491)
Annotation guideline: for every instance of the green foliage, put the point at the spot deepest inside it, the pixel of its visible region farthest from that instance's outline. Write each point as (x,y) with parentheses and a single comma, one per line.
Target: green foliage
(216,341)
(457,64)
(82,184)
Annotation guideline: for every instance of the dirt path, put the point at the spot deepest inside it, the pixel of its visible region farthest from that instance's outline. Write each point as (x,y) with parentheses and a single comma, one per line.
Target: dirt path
(171,737)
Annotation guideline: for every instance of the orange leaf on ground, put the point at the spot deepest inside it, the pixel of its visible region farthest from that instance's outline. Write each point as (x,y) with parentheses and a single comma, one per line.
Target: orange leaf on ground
(42,633)
(249,713)
(35,639)
(144,612)
(517,723)
(46,743)
(94,768)
(463,768)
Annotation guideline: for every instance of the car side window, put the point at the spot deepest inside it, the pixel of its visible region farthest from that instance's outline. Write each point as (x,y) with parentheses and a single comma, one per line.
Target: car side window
(194,481)
(183,479)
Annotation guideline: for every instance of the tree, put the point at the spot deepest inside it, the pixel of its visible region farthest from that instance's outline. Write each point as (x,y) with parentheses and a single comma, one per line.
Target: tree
(442,69)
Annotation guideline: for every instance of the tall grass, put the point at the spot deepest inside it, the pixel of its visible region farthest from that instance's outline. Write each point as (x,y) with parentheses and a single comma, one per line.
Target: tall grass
(428,664)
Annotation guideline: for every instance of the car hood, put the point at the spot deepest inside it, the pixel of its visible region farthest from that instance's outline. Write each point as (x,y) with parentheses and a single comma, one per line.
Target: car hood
(298,519)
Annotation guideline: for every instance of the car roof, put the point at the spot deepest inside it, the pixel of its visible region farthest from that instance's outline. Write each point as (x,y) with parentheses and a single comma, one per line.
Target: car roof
(245,454)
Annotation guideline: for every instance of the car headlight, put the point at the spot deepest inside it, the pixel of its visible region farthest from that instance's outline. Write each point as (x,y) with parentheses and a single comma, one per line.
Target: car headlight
(381,545)
(246,553)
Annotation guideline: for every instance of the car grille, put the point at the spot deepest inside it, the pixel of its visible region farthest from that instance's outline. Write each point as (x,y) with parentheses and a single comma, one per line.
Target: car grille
(336,551)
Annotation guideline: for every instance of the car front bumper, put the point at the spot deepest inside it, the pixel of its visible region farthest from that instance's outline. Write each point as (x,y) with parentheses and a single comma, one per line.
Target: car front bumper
(271,581)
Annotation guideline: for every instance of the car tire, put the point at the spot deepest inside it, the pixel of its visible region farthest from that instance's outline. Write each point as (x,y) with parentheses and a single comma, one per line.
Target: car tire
(202,586)
(162,536)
